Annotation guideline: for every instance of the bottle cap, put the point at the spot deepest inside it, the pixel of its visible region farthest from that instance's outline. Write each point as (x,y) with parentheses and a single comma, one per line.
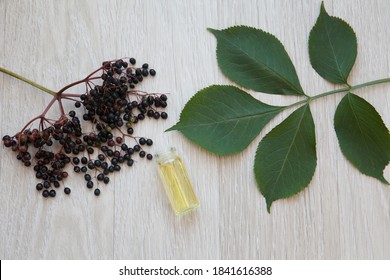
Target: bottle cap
(166,155)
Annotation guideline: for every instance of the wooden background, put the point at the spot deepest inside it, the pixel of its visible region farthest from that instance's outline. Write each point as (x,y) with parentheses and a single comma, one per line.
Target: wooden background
(341,215)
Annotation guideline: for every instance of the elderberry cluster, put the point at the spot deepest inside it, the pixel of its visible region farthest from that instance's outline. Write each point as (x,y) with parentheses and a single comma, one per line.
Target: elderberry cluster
(112,110)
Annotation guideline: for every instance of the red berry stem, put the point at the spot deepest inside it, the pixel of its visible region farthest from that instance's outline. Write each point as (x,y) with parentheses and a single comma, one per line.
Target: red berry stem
(70,95)
(85,80)
(60,105)
(54,99)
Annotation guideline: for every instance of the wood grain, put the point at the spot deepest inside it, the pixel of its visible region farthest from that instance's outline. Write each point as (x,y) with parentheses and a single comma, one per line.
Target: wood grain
(341,215)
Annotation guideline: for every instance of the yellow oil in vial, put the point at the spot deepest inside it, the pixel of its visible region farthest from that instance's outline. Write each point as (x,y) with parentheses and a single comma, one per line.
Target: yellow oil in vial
(176,182)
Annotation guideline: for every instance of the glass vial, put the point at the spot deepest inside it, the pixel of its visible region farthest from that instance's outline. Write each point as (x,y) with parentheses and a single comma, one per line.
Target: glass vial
(176,182)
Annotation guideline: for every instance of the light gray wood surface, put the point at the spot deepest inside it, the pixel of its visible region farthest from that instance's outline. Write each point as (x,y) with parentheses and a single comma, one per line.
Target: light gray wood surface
(341,215)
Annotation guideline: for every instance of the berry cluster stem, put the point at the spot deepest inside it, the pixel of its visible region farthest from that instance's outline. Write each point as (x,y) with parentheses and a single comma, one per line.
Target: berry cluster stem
(107,106)
(57,96)
(27,81)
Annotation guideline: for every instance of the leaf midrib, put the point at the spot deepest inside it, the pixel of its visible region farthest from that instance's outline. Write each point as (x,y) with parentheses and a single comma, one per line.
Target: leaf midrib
(266,66)
(358,123)
(289,150)
(334,54)
(234,119)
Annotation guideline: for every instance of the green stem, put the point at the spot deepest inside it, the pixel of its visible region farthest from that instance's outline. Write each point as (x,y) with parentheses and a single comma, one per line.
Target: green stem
(27,81)
(380,81)
(345,89)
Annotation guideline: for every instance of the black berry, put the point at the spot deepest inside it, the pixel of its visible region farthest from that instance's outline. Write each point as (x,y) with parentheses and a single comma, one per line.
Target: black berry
(89,184)
(39,187)
(142,141)
(45,193)
(52,193)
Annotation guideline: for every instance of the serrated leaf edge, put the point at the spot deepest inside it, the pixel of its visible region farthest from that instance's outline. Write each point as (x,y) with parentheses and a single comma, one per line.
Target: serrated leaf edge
(322,9)
(178,127)
(299,91)
(269,203)
(191,99)
(382,179)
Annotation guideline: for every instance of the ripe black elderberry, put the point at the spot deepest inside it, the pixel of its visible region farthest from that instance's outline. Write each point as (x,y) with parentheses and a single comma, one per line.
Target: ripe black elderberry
(112,108)
(142,141)
(45,193)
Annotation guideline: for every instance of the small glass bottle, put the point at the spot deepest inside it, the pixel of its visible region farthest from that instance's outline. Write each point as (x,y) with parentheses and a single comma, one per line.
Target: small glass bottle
(176,182)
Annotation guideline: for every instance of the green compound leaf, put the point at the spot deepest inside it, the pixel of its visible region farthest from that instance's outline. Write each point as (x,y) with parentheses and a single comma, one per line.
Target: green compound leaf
(332,48)
(363,137)
(256,60)
(224,119)
(286,157)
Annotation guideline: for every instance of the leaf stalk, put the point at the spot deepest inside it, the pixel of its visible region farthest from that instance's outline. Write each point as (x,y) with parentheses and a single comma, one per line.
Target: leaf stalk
(344,89)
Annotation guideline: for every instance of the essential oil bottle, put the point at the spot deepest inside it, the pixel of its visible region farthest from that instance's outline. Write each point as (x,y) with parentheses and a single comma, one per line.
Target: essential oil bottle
(176,182)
